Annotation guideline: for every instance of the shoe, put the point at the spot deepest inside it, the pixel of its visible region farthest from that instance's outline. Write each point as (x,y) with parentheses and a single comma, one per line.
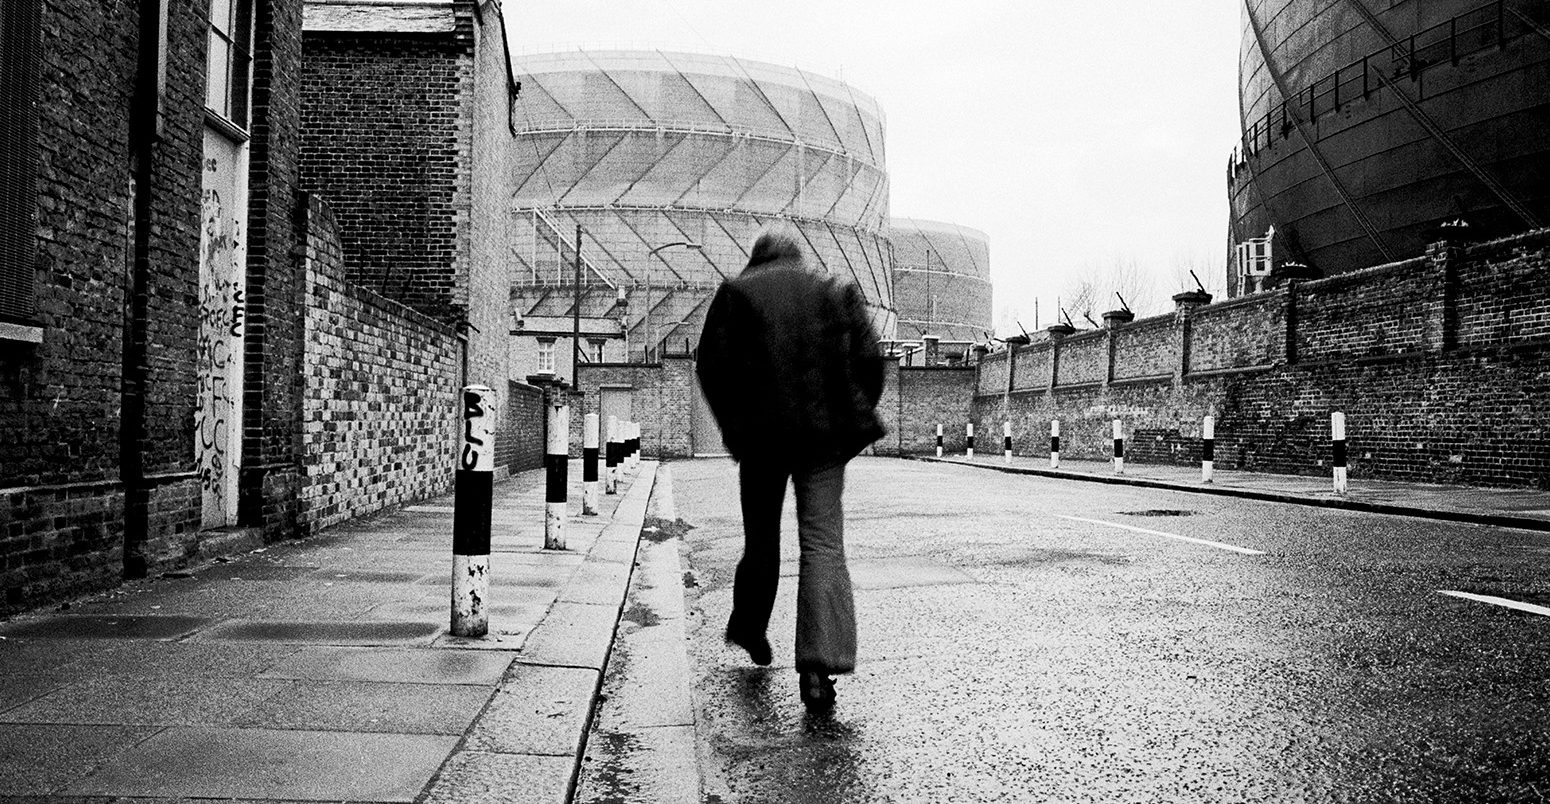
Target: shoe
(817,692)
(757,645)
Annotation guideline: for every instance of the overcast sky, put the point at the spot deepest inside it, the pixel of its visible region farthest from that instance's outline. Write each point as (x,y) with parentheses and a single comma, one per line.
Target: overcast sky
(1076,135)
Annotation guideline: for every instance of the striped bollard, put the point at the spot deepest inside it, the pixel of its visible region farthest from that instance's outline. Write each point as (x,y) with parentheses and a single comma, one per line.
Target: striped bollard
(1054,443)
(557,462)
(1119,448)
(1337,439)
(471,500)
(1207,448)
(939,441)
(611,458)
(969,441)
(1006,440)
(634,445)
(589,465)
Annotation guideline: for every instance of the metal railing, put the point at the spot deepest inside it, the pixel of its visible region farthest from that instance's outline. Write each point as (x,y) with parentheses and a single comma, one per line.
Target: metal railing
(1444,43)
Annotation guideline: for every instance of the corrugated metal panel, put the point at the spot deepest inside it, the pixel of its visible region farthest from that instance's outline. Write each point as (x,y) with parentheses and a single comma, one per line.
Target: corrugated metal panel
(19,55)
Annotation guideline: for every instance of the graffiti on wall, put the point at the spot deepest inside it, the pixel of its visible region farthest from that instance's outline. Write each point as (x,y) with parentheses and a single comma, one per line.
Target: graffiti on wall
(222,314)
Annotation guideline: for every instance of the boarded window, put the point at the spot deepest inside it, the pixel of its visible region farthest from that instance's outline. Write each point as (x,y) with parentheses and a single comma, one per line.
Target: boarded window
(19,55)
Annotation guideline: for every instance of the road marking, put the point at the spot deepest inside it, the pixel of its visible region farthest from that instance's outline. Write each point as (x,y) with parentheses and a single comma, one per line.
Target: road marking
(1207,542)
(1498,601)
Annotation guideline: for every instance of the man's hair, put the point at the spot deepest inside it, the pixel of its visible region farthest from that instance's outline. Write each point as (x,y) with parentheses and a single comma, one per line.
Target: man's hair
(778,241)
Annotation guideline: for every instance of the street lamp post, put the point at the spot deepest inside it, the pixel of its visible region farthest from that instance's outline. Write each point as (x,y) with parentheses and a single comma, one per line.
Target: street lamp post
(651,334)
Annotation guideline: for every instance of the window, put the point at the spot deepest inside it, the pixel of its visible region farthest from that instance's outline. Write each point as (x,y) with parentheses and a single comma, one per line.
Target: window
(20,32)
(546,355)
(595,352)
(229,61)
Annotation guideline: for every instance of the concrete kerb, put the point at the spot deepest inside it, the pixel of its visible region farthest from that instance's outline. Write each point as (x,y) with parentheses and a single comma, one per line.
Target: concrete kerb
(641,746)
(1344,503)
(539,716)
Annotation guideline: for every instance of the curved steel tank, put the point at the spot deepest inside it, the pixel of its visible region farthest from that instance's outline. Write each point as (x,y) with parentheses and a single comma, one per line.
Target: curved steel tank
(1366,124)
(941,280)
(647,148)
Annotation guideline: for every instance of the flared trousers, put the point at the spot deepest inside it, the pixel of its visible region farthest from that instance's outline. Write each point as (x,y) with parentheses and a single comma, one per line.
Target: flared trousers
(826,613)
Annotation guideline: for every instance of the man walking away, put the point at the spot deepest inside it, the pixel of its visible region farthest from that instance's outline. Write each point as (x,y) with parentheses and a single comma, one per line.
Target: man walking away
(790,367)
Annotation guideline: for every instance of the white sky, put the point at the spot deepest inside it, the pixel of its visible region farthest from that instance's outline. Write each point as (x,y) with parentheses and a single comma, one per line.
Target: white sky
(1075,134)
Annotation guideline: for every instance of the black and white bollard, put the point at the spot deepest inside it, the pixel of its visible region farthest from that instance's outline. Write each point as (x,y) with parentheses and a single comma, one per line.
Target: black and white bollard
(1006,440)
(557,465)
(969,442)
(1337,444)
(1119,448)
(1207,448)
(1054,443)
(589,465)
(472,494)
(634,445)
(939,441)
(611,458)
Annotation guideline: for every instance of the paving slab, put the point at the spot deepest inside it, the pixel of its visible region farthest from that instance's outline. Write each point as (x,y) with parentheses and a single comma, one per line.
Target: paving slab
(138,701)
(573,635)
(174,660)
(104,626)
(38,759)
(393,665)
(477,777)
(328,633)
(596,581)
(537,710)
(370,706)
(266,763)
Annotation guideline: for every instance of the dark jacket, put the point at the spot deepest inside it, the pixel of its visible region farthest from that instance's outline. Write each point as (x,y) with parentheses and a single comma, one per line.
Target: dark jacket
(789,364)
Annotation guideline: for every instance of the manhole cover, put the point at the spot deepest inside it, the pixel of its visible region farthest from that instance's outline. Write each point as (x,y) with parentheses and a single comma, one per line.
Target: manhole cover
(1158,512)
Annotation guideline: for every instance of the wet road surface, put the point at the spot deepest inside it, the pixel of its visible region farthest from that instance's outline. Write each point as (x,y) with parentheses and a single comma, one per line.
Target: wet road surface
(1031,639)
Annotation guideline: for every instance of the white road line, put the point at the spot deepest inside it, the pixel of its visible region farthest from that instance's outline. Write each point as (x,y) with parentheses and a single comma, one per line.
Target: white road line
(1207,542)
(1498,601)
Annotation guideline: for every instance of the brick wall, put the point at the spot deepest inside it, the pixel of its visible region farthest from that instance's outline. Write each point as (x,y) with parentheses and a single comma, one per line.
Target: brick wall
(662,399)
(1439,365)
(519,445)
(1243,332)
(270,479)
(1144,349)
(918,398)
(382,132)
(381,406)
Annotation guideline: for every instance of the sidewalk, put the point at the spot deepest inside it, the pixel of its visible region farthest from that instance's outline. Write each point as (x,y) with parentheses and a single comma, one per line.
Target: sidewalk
(323,671)
(1517,508)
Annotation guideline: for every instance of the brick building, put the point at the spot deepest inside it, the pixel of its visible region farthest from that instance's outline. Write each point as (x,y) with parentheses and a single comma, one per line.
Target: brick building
(194,355)
(149,354)
(407,134)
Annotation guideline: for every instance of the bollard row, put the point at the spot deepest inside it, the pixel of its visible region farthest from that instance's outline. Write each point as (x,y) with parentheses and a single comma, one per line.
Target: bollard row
(1337,430)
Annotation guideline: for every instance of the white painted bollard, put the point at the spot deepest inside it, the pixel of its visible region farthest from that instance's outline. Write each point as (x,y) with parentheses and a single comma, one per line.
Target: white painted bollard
(939,441)
(471,502)
(1207,448)
(1119,448)
(1006,440)
(611,458)
(634,445)
(1054,443)
(969,442)
(557,464)
(589,488)
(1337,444)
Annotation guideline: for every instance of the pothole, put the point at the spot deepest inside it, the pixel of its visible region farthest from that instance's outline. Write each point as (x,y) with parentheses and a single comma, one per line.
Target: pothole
(1159,512)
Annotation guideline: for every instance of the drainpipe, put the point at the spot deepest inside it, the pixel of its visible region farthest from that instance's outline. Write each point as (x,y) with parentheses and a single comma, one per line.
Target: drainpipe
(145,132)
